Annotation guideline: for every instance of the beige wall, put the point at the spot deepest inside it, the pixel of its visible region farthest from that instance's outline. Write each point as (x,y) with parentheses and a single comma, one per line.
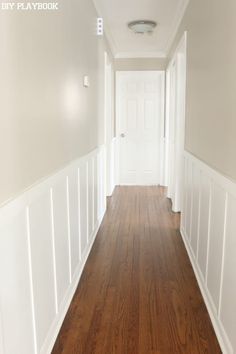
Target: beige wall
(47,117)
(211,82)
(140,64)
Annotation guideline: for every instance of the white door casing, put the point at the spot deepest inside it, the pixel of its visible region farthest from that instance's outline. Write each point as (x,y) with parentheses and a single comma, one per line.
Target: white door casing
(171,122)
(108,123)
(140,126)
(175,124)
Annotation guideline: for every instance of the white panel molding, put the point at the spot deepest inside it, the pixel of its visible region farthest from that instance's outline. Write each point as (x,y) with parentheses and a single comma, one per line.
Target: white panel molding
(78,215)
(93,187)
(54,253)
(218,327)
(56,325)
(227,308)
(219,190)
(47,213)
(209,230)
(32,304)
(87,198)
(199,213)
(223,254)
(68,225)
(2,349)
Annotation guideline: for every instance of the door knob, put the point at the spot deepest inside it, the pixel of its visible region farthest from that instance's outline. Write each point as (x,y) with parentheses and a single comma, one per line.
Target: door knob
(122,135)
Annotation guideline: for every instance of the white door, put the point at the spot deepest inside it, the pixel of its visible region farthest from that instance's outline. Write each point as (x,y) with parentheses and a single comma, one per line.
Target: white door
(140,126)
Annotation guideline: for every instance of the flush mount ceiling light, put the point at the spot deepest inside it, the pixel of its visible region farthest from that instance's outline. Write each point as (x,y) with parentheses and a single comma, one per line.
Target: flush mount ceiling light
(142,26)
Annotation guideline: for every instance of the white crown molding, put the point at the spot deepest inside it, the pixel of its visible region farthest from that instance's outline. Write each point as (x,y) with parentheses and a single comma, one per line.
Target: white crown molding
(135,55)
(176,23)
(107,31)
(126,55)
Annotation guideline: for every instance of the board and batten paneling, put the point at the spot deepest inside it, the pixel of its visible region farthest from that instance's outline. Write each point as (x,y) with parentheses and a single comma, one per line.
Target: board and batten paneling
(208,228)
(45,237)
(17,327)
(228,308)
(73,218)
(42,264)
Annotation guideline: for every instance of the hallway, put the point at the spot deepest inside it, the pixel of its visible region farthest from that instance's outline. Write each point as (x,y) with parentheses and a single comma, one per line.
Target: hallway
(138,292)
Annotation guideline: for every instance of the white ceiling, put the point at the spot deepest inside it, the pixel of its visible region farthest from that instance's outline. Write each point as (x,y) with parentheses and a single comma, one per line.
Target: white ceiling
(124,43)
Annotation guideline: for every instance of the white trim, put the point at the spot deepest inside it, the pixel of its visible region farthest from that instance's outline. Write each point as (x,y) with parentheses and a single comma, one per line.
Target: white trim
(42,333)
(136,55)
(175,123)
(112,166)
(223,329)
(220,332)
(162,180)
(79,218)
(199,212)
(166,136)
(53,251)
(223,253)
(223,181)
(108,126)
(68,226)
(2,349)
(87,198)
(55,328)
(181,43)
(31,281)
(191,207)
(208,235)
(93,194)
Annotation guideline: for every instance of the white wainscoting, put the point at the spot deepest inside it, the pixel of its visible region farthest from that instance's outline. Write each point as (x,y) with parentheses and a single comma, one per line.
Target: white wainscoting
(111,166)
(208,228)
(45,237)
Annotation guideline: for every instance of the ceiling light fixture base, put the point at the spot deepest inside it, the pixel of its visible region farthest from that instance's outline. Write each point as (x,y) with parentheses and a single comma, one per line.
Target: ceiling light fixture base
(142,26)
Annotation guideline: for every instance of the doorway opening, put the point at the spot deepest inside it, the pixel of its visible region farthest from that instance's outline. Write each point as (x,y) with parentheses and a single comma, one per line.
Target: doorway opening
(150,127)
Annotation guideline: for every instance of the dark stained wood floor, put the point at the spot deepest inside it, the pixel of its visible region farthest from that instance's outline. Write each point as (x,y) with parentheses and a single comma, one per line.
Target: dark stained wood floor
(138,293)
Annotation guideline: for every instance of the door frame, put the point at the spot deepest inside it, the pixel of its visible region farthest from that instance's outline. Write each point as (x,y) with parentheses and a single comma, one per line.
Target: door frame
(118,77)
(174,164)
(109,140)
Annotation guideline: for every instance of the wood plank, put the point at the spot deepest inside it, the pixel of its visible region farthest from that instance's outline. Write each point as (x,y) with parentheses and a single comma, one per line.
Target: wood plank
(138,293)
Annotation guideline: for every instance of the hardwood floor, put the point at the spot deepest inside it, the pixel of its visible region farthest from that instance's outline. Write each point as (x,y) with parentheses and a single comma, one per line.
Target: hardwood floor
(138,293)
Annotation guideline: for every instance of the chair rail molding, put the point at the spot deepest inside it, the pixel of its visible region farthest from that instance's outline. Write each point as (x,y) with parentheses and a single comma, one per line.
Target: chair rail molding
(208,227)
(46,235)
